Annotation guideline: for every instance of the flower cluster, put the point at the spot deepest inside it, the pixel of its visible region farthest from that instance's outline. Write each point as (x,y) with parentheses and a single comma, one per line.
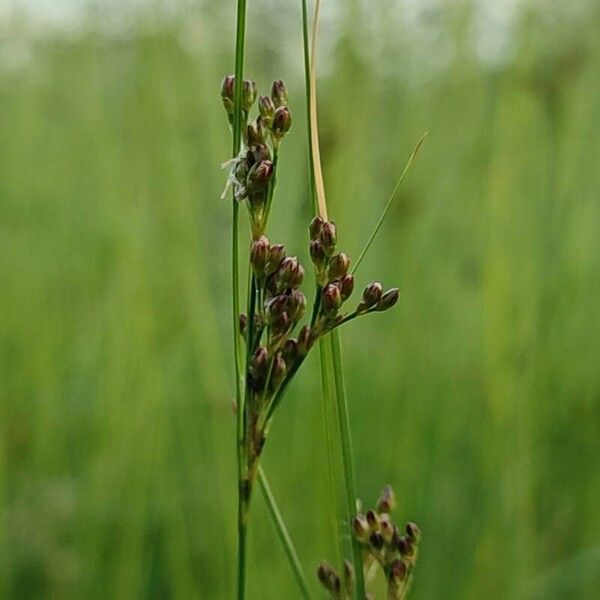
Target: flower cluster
(336,283)
(279,306)
(384,545)
(277,340)
(252,172)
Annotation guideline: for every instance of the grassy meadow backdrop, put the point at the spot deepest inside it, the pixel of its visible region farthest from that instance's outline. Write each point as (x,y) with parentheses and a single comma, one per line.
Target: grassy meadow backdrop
(478,397)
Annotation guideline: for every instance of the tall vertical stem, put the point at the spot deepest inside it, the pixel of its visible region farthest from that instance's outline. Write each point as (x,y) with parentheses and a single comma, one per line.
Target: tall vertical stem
(347,457)
(235,275)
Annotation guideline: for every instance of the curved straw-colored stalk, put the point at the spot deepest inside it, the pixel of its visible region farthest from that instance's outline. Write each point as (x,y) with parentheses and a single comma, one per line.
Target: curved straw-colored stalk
(388,204)
(313,125)
(308,87)
(283,534)
(339,385)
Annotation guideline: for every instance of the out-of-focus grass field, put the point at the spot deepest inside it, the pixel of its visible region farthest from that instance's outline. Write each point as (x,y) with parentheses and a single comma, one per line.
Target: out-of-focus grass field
(478,397)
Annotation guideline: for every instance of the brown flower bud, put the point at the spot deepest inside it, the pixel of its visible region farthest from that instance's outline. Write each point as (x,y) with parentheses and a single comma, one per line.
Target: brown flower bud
(413,532)
(248,94)
(290,350)
(276,255)
(259,255)
(329,578)
(331,299)
(279,371)
(241,169)
(346,287)
(361,527)
(388,299)
(373,520)
(267,110)
(372,293)
(395,538)
(317,254)
(387,500)
(291,272)
(259,176)
(260,362)
(304,340)
(280,325)
(386,527)
(276,307)
(405,546)
(398,570)
(296,305)
(328,237)
(257,153)
(315,226)
(255,133)
(282,121)
(376,540)
(227,93)
(279,93)
(338,266)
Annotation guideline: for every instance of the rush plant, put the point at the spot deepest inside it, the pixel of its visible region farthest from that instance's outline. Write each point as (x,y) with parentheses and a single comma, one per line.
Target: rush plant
(279,327)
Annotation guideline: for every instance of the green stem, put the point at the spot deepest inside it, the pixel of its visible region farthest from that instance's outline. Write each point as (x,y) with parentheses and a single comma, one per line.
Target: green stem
(316,306)
(347,458)
(389,202)
(329,420)
(283,533)
(242,535)
(240,404)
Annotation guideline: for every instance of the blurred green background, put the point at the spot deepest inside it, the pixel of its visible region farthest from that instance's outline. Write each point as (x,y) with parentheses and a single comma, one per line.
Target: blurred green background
(478,397)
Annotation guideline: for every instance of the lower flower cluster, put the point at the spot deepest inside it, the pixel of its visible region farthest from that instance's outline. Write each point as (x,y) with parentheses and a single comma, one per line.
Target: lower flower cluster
(384,545)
